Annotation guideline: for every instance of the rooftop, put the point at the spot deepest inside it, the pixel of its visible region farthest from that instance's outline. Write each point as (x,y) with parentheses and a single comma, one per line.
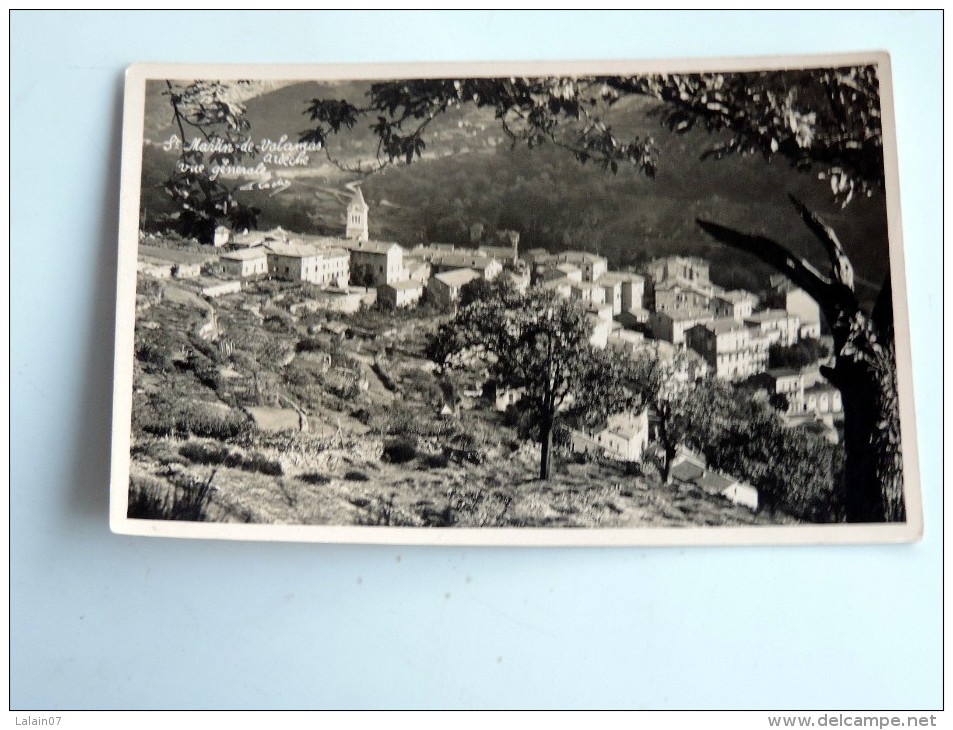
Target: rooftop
(473,260)
(714,482)
(590,285)
(627,336)
(699,315)
(380,247)
(457,277)
(783,373)
(686,471)
(579,256)
(723,325)
(737,295)
(615,277)
(501,251)
(357,199)
(245,254)
(294,250)
(332,251)
(769,315)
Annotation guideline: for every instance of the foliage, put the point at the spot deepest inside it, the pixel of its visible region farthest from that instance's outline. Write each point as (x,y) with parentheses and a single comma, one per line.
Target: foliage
(779,401)
(793,469)
(152,499)
(826,116)
(200,453)
(537,343)
(362,275)
(801,354)
(400,450)
(529,111)
(160,416)
(157,352)
(864,368)
(315,478)
(480,289)
(214,137)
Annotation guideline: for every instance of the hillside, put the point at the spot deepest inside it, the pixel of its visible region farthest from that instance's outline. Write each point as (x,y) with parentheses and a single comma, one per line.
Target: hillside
(288,419)
(469,176)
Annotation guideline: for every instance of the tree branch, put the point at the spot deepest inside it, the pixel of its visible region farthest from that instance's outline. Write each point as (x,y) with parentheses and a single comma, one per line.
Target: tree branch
(841,268)
(831,298)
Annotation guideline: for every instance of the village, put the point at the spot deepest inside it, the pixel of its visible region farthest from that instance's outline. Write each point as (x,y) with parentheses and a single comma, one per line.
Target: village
(670,309)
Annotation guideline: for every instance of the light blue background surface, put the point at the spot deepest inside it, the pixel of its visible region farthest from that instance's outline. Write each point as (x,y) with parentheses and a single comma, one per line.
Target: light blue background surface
(103,621)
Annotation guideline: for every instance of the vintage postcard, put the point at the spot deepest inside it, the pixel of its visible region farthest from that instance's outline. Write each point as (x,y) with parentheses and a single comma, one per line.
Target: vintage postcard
(620,303)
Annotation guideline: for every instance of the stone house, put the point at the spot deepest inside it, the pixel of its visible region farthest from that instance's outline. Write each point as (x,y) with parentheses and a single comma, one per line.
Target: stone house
(592,265)
(725,344)
(384,261)
(444,288)
(823,399)
(736,304)
(776,325)
(788,382)
(671,326)
(243,263)
(623,436)
(400,294)
(689,469)
(785,295)
(588,292)
(487,267)
(293,261)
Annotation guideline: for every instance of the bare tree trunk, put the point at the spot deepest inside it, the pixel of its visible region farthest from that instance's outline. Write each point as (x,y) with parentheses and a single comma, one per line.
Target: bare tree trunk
(864,369)
(669,449)
(667,465)
(546,451)
(864,373)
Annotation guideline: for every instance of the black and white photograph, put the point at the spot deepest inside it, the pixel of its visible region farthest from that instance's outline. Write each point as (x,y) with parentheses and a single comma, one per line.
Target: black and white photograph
(522,304)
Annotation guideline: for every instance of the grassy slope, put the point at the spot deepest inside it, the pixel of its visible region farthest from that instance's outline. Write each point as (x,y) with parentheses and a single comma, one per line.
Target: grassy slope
(335,474)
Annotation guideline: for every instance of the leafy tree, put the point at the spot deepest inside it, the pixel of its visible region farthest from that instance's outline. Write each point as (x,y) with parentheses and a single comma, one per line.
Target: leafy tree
(780,402)
(538,343)
(687,412)
(481,289)
(362,275)
(801,354)
(864,368)
(824,119)
(214,135)
(793,469)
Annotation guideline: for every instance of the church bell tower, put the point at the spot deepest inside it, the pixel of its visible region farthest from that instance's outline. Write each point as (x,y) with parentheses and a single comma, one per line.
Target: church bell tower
(357,217)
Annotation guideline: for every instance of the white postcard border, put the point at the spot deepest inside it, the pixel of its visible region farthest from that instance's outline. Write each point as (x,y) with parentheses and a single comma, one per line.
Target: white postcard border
(132,141)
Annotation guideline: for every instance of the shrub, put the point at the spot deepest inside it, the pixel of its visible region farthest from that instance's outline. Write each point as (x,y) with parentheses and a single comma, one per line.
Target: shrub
(356,476)
(203,423)
(149,288)
(400,450)
(223,456)
(801,354)
(436,461)
(310,344)
(206,372)
(316,478)
(156,351)
(155,450)
(153,499)
(278,320)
